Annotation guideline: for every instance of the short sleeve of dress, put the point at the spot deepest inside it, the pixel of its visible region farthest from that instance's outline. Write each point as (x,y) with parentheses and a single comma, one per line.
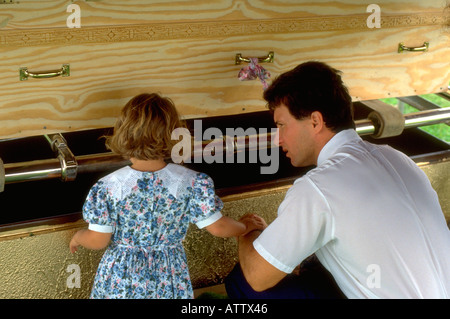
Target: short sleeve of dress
(205,206)
(97,209)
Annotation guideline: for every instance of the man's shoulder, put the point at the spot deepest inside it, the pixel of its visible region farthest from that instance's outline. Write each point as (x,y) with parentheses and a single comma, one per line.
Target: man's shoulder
(304,186)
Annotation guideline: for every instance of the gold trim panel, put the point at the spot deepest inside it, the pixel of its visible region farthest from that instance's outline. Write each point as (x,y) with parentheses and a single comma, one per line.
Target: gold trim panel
(208,29)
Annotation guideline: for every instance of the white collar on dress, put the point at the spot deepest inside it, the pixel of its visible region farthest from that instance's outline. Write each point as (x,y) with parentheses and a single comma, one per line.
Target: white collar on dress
(335,142)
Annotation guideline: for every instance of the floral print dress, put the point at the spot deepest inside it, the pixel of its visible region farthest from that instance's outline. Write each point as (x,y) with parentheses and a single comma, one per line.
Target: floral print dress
(148,214)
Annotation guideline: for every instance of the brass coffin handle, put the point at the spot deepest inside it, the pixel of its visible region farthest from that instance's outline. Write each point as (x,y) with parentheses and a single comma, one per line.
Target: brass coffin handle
(265,59)
(24,74)
(423,48)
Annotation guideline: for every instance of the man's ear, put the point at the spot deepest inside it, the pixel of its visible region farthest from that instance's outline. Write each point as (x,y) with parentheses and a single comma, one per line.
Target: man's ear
(317,121)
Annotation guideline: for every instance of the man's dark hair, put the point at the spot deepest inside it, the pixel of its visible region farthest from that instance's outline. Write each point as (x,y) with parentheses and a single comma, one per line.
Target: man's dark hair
(313,86)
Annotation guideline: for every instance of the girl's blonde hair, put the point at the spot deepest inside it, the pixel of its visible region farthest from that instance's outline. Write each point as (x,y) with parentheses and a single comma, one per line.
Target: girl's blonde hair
(144,127)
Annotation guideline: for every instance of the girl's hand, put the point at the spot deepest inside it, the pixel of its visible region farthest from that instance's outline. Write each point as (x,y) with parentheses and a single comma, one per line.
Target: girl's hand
(89,239)
(73,245)
(253,222)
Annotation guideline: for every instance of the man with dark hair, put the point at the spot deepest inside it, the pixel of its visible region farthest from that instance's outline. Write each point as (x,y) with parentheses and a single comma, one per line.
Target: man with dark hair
(366,211)
(313,86)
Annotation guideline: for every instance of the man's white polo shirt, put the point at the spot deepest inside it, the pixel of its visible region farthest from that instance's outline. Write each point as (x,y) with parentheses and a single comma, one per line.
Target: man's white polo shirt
(371,217)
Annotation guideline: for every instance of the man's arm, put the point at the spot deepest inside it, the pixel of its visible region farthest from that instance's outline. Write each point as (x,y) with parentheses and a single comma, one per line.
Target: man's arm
(258,272)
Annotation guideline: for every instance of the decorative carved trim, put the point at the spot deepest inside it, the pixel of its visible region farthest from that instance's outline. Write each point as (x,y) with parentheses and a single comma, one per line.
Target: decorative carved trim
(208,29)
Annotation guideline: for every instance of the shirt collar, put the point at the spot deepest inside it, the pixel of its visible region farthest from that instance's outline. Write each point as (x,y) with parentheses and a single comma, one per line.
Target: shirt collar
(335,142)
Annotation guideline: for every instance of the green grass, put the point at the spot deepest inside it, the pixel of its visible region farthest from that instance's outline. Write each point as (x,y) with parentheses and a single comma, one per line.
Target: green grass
(442,130)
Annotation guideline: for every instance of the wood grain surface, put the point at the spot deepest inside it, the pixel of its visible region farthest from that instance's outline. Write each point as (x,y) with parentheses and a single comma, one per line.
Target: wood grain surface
(186,50)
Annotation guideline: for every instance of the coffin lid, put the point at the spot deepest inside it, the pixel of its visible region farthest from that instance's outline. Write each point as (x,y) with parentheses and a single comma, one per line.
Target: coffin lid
(186,50)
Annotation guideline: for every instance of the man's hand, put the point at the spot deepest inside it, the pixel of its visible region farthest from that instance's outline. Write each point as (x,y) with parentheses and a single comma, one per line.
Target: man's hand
(259,273)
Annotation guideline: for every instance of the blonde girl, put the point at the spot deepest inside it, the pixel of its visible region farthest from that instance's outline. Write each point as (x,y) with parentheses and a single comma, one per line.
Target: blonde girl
(141,212)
